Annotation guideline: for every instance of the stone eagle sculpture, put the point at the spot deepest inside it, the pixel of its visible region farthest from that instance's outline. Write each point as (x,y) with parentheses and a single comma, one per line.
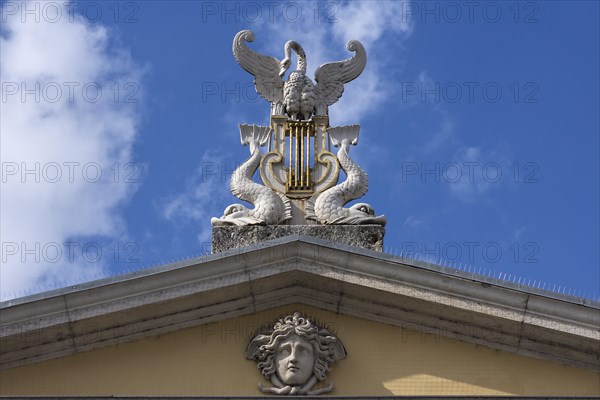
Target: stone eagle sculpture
(298,97)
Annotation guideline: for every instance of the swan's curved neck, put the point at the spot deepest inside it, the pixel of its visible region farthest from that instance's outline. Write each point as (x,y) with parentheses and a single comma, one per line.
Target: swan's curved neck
(299,52)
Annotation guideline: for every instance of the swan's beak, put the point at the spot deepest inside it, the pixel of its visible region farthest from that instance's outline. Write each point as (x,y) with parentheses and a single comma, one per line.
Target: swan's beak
(285,64)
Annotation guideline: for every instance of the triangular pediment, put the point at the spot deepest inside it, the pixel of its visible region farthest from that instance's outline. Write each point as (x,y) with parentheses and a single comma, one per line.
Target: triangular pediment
(336,280)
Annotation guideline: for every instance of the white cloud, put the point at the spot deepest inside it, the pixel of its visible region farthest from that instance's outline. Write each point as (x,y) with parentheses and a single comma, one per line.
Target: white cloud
(63,118)
(368,21)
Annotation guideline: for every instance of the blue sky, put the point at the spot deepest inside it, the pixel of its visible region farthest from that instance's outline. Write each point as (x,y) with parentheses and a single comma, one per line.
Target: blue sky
(479,130)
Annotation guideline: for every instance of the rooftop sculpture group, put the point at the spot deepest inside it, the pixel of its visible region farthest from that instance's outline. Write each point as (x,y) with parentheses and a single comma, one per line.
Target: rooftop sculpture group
(299,185)
(299,174)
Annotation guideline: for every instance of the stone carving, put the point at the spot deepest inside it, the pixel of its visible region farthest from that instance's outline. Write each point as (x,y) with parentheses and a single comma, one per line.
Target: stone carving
(298,173)
(299,94)
(298,97)
(328,207)
(294,355)
(269,207)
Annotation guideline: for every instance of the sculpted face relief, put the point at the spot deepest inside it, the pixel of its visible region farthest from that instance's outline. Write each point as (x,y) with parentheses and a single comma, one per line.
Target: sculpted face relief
(295,354)
(295,361)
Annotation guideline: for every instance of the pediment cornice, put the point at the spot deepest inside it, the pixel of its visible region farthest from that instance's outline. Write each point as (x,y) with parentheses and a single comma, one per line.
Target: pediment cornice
(300,270)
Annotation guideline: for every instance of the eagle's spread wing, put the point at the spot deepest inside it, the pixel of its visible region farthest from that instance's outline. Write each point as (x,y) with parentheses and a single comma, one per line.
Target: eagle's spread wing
(331,77)
(265,69)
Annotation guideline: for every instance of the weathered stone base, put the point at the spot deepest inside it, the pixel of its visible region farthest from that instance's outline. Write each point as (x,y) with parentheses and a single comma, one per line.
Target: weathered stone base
(231,237)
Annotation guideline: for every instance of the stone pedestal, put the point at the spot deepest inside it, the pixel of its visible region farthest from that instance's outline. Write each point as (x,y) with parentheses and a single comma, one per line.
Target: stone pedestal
(231,237)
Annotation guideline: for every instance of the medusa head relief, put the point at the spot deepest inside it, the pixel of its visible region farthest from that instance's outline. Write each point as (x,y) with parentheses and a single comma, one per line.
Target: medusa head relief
(294,354)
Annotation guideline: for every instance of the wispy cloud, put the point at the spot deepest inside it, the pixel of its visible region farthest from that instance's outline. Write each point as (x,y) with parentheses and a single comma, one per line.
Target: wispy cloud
(204,196)
(480,172)
(445,133)
(66,145)
(443,136)
(470,171)
(414,223)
